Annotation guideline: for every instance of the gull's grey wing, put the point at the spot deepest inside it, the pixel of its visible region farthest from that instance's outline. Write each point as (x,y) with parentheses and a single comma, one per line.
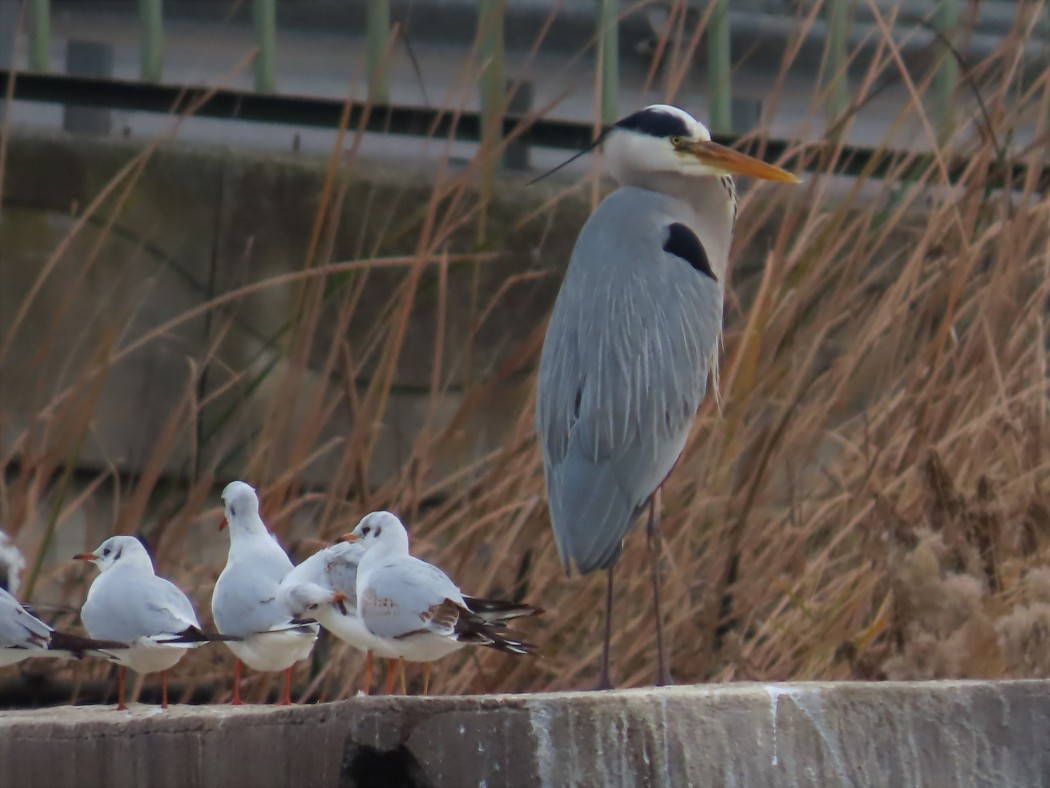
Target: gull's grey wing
(245,602)
(400,596)
(18,627)
(311,570)
(124,605)
(623,371)
(341,568)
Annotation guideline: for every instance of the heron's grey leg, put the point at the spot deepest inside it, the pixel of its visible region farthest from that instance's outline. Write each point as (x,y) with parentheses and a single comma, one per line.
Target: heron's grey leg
(603,680)
(663,671)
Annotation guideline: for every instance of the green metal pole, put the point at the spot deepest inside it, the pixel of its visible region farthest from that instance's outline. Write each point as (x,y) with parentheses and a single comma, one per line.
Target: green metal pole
(718,68)
(946,19)
(151,52)
(609,58)
(378,36)
(39,34)
(835,64)
(493,85)
(265,13)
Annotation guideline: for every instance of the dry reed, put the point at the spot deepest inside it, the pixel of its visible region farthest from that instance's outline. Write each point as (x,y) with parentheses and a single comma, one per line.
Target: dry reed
(872,500)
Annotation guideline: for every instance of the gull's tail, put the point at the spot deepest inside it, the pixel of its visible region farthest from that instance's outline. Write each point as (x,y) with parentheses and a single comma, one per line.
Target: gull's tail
(80,647)
(470,627)
(192,635)
(498,609)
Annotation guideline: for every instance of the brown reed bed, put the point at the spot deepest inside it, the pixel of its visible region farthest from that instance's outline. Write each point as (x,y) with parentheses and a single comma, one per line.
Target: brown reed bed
(870,500)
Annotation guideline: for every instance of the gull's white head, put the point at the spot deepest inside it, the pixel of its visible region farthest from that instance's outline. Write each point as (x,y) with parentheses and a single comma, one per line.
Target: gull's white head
(665,140)
(242,507)
(381,531)
(119,551)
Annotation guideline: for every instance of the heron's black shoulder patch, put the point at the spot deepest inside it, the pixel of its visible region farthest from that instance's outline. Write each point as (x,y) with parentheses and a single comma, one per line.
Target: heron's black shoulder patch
(654,123)
(682,242)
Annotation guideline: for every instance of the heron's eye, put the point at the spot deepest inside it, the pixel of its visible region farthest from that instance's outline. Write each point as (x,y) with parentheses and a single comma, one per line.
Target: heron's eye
(365,531)
(676,141)
(233,512)
(106,551)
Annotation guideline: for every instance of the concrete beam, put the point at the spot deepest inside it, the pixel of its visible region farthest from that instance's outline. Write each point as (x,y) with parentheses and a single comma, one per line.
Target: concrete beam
(872,734)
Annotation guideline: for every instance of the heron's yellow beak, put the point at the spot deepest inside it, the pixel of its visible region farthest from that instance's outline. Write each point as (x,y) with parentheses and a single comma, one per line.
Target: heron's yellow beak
(349,538)
(85,557)
(727,160)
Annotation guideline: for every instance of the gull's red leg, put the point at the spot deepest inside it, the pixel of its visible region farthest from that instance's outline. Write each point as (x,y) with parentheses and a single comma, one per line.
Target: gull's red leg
(286,696)
(391,675)
(369,660)
(237,686)
(120,689)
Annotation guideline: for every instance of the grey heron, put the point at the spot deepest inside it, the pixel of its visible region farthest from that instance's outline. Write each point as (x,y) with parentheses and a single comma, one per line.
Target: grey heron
(633,338)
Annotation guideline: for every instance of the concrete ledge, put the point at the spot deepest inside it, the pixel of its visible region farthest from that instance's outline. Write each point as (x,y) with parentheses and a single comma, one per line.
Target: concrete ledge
(887,734)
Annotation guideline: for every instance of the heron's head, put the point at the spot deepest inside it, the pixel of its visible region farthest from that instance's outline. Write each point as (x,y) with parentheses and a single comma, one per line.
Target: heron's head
(665,140)
(119,551)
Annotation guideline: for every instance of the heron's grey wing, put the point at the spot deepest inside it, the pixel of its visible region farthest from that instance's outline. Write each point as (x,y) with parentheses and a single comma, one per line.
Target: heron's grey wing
(400,594)
(246,602)
(18,627)
(623,370)
(127,605)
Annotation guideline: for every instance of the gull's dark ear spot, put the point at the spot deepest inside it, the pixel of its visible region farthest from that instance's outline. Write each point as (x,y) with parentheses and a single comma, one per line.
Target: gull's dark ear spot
(682,242)
(654,123)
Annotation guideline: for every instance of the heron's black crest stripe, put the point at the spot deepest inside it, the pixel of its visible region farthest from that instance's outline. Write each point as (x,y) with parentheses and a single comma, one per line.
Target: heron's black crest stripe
(654,123)
(682,242)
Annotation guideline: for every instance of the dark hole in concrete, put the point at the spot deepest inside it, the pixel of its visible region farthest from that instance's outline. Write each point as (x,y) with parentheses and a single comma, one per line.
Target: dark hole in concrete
(367,767)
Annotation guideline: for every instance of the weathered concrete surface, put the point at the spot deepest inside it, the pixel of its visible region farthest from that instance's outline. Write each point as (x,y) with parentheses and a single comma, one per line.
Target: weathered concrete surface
(199,222)
(887,734)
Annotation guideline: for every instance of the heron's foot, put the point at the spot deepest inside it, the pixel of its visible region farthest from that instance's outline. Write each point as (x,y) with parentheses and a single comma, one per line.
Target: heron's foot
(664,678)
(604,683)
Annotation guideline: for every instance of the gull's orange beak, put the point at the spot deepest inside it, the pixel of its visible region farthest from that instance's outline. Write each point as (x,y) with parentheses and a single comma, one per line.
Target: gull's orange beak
(719,157)
(223,524)
(85,557)
(349,538)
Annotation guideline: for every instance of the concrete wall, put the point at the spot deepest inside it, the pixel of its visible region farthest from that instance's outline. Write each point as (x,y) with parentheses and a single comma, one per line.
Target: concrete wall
(749,735)
(199,222)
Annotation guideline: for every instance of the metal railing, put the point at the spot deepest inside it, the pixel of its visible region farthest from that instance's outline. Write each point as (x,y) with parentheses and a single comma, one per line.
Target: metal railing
(608,14)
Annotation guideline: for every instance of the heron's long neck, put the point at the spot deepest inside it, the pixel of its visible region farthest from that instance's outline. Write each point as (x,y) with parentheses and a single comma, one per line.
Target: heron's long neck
(713,201)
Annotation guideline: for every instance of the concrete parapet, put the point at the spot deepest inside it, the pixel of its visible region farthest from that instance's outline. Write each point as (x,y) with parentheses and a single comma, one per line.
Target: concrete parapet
(865,734)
